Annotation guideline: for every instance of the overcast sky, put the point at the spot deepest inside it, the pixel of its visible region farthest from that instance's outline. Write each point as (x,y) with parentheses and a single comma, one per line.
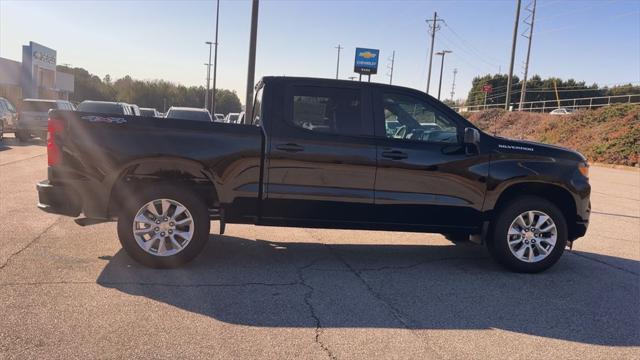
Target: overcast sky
(595,41)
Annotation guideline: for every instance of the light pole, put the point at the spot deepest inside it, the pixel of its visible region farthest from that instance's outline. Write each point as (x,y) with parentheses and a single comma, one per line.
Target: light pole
(251,72)
(441,53)
(208,65)
(338,62)
(215,64)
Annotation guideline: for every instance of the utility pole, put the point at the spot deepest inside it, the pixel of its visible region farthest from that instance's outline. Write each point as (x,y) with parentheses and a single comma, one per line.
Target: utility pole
(338,62)
(453,84)
(434,27)
(393,58)
(441,53)
(215,64)
(555,87)
(252,63)
(208,65)
(513,56)
(351,78)
(526,64)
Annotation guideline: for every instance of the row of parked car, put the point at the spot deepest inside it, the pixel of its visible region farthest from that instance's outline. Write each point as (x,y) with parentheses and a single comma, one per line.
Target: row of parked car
(32,119)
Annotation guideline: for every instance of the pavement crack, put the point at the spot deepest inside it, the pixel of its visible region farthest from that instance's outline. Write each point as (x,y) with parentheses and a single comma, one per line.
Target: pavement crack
(423,262)
(307,300)
(17,161)
(30,243)
(116,283)
(395,312)
(604,263)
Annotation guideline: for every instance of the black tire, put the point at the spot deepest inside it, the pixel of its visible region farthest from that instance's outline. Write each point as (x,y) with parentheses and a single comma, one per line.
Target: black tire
(196,207)
(1,131)
(498,244)
(22,135)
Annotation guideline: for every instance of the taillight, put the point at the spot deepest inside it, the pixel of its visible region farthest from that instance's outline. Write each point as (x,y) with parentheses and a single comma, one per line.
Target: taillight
(55,127)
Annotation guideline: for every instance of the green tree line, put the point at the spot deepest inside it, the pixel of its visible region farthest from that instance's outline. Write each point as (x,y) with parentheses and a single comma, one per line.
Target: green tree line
(539,89)
(146,93)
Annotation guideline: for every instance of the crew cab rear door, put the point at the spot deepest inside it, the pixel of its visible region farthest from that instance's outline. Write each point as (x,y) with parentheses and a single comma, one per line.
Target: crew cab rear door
(321,155)
(426,176)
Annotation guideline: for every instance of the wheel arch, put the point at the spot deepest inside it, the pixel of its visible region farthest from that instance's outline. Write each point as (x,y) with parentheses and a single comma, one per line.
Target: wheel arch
(141,172)
(558,195)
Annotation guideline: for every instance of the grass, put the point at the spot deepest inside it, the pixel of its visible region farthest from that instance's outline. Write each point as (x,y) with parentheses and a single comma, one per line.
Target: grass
(607,135)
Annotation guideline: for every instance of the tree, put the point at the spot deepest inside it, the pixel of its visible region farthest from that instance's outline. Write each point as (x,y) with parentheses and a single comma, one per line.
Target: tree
(227,101)
(146,93)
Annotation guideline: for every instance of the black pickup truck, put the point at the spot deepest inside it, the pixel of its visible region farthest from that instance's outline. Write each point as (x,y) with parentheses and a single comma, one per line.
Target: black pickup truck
(317,153)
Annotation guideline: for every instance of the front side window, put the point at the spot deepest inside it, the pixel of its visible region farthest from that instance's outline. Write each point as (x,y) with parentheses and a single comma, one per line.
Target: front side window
(328,110)
(410,118)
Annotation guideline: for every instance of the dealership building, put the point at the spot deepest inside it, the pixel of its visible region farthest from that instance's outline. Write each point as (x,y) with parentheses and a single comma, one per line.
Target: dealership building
(35,77)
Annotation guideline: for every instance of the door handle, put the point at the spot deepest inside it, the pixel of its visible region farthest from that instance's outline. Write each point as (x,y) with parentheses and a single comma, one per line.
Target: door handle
(395,155)
(290,147)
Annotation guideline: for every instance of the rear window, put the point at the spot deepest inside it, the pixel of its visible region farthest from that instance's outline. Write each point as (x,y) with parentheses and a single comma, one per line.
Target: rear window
(38,106)
(147,112)
(189,115)
(105,108)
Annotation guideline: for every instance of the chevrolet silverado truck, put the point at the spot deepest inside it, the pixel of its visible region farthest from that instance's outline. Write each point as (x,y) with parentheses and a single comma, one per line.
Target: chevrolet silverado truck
(316,153)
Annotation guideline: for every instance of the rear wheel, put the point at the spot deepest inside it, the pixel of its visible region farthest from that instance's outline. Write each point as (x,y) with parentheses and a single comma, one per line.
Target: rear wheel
(529,235)
(164,227)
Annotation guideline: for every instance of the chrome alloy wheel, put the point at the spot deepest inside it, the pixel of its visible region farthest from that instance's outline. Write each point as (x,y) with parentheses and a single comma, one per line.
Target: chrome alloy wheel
(163,227)
(532,236)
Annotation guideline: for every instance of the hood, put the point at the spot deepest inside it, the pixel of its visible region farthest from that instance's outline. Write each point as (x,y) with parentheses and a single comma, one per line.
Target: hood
(537,149)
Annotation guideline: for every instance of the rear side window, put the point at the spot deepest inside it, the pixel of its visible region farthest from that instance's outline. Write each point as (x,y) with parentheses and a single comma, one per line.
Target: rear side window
(328,110)
(106,108)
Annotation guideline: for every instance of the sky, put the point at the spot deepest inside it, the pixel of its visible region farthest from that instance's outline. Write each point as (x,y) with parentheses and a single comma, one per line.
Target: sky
(592,40)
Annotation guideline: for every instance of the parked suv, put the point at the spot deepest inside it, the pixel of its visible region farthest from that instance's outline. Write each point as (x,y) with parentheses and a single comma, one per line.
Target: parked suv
(34,114)
(8,117)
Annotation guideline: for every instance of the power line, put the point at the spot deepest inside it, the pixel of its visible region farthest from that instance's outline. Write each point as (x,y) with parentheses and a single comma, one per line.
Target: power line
(471,46)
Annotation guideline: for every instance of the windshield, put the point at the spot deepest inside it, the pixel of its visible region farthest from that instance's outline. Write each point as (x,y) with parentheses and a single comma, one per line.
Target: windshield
(147,112)
(189,115)
(105,108)
(38,106)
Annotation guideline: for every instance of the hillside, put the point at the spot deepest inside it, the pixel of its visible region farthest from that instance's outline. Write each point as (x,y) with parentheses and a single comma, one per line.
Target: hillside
(608,135)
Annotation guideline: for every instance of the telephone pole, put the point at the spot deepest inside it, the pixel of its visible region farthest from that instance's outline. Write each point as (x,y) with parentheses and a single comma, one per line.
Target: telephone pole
(393,58)
(441,53)
(215,64)
(532,10)
(338,62)
(453,84)
(513,56)
(251,72)
(434,26)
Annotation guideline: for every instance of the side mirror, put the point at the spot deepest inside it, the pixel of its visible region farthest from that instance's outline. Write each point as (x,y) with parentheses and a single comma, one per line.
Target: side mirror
(471,136)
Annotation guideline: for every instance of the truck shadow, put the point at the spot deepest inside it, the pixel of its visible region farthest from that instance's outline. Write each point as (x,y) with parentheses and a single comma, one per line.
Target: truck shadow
(294,284)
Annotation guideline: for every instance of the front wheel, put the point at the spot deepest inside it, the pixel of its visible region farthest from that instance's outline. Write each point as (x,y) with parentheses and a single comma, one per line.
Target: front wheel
(164,227)
(529,235)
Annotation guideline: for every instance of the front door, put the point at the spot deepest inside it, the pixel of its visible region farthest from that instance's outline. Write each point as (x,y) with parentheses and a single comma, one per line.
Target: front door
(426,176)
(321,156)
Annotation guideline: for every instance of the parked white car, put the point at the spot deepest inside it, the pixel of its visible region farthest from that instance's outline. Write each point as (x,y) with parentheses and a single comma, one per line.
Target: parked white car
(562,111)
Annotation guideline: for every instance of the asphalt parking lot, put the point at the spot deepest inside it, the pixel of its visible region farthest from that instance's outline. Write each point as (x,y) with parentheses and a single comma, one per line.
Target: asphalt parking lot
(70,292)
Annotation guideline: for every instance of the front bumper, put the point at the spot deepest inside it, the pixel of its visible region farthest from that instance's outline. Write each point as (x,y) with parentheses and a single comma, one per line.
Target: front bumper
(58,199)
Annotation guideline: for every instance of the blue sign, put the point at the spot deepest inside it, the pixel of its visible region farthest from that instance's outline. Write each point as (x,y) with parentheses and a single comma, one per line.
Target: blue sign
(366,61)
